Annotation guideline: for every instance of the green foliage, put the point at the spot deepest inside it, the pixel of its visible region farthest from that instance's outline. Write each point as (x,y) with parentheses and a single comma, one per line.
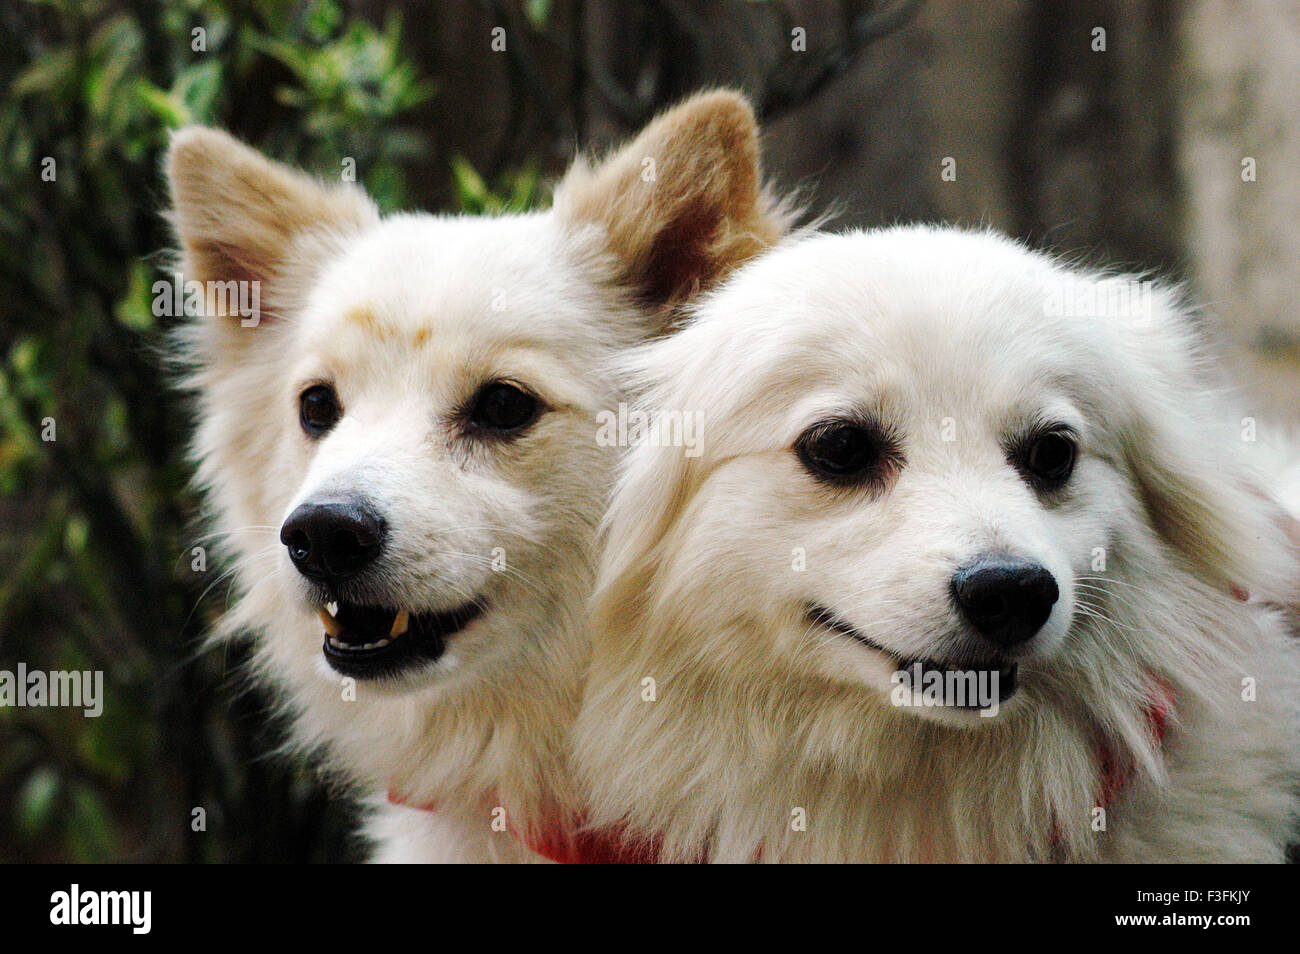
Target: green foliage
(97,525)
(517,189)
(538,13)
(349,94)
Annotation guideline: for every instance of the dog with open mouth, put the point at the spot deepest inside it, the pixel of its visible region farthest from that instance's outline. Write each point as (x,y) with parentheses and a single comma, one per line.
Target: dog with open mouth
(400,451)
(970,567)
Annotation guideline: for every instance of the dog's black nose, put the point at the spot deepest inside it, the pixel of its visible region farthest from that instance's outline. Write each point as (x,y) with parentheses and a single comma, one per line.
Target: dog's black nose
(331,540)
(1006,600)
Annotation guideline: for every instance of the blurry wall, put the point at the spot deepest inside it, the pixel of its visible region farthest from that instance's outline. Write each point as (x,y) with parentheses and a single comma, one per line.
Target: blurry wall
(1240,99)
(1129,155)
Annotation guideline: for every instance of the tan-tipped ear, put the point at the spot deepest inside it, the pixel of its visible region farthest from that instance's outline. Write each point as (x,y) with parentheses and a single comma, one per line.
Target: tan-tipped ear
(241,217)
(683,202)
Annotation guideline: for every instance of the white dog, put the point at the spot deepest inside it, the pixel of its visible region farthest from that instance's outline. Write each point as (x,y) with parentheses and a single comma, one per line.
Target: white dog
(967,567)
(400,451)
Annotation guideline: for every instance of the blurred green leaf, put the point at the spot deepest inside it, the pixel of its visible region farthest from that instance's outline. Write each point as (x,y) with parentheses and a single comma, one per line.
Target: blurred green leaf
(48,76)
(516,190)
(471,190)
(167,106)
(37,800)
(90,827)
(135,310)
(538,13)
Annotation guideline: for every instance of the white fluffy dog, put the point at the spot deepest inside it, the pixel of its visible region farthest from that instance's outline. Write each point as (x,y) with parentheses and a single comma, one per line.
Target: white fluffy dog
(400,451)
(935,461)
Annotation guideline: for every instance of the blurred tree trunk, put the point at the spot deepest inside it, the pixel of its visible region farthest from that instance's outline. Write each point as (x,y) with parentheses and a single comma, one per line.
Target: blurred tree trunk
(1241,76)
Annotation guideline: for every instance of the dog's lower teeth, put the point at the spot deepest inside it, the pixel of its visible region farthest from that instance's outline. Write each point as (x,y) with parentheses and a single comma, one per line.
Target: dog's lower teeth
(353,647)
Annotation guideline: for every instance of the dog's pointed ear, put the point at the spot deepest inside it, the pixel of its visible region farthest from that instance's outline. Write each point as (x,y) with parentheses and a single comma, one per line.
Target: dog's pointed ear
(1191,459)
(244,218)
(682,203)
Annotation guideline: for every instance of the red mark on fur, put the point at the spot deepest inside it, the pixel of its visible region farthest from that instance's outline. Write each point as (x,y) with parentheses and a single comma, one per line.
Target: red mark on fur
(395,799)
(591,847)
(1115,776)
(571,845)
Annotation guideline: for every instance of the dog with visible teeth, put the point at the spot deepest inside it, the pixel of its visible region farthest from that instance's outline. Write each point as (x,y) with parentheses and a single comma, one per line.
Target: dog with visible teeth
(926,459)
(401,451)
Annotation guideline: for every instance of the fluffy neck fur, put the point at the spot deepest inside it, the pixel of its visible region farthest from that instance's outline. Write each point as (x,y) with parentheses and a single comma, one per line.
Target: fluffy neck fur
(719,765)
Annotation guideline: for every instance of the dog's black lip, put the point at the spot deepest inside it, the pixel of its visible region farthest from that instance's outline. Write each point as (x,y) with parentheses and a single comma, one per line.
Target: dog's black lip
(1007,671)
(424,641)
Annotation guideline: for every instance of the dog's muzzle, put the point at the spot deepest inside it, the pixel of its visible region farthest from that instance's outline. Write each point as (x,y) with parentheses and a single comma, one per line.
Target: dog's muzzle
(331,542)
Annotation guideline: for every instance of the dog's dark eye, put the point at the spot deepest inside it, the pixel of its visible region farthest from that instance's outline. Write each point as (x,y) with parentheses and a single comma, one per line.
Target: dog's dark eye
(842,451)
(1049,457)
(503,407)
(318,409)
